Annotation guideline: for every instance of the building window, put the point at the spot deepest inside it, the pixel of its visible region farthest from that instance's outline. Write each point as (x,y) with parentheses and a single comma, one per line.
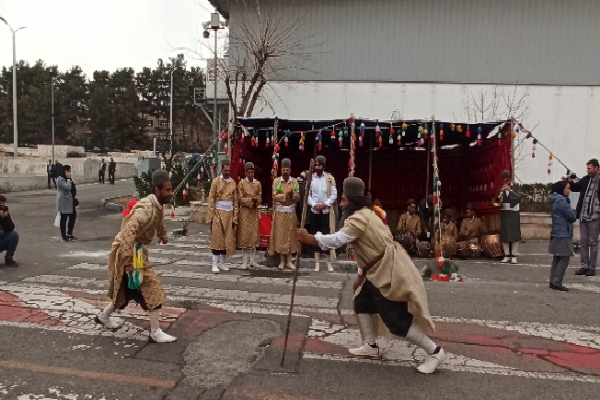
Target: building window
(150,123)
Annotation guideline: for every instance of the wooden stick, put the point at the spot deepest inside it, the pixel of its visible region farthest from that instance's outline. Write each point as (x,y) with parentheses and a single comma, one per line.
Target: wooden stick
(302,223)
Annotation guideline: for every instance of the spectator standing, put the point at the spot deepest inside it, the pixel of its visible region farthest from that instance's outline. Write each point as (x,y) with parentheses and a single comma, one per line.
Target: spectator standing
(66,203)
(101,171)
(588,212)
(58,167)
(112,169)
(561,236)
(50,172)
(9,238)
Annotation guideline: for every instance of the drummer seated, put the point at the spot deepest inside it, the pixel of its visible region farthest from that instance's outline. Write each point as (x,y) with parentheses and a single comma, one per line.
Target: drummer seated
(449,234)
(410,221)
(471,227)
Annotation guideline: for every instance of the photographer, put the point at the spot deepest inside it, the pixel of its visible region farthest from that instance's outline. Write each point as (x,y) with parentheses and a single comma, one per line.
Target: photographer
(66,204)
(9,239)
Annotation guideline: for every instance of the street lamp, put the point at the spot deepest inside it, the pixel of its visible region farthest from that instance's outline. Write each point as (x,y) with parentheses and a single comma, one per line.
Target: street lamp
(52,86)
(16,132)
(171,117)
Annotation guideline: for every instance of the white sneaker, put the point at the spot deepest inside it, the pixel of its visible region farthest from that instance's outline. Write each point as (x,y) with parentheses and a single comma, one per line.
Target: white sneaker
(505,260)
(106,321)
(160,337)
(215,269)
(514,260)
(253,264)
(317,267)
(432,362)
(291,266)
(330,267)
(365,350)
(281,266)
(224,268)
(244,266)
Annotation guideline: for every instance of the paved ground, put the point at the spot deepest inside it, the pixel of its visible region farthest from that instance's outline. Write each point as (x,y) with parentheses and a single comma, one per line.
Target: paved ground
(508,335)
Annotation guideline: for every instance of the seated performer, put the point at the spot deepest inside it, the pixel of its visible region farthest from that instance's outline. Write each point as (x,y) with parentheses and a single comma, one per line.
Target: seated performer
(410,221)
(449,234)
(471,228)
(388,285)
(129,256)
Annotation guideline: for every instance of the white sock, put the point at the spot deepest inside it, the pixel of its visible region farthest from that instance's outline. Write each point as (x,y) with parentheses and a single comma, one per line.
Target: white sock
(317,257)
(252,255)
(154,320)
(506,249)
(245,256)
(366,326)
(418,338)
(222,259)
(215,260)
(109,310)
(515,248)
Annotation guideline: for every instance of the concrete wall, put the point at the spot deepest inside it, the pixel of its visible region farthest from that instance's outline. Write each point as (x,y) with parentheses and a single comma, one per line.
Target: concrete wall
(538,226)
(30,173)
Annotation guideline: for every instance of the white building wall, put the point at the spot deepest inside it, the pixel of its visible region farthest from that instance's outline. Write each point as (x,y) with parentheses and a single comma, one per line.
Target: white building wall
(566,118)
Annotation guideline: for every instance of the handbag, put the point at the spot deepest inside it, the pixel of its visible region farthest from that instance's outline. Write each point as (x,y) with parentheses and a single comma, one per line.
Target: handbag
(75,202)
(57,220)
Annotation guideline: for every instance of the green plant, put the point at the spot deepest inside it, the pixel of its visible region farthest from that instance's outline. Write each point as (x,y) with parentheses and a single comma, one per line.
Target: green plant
(143,184)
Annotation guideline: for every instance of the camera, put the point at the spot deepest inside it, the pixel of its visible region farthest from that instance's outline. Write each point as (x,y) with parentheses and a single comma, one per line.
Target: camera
(4,208)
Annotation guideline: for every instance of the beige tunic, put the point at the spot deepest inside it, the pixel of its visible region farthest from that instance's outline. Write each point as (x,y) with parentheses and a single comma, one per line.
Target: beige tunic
(222,236)
(394,275)
(283,234)
(449,236)
(412,224)
(471,229)
(248,231)
(143,223)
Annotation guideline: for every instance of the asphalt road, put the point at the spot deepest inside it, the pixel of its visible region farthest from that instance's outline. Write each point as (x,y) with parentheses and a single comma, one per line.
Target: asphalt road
(507,334)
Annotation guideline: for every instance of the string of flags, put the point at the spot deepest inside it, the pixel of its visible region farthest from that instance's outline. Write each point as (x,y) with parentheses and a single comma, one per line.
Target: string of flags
(551,156)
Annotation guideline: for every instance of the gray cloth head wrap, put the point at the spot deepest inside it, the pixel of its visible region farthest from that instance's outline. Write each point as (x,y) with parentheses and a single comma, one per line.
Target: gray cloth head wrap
(448,212)
(248,166)
(506,174)
(226,162)
(469,206)
(354,187)
(160,177)
(411,201)
(286,163)
(321,160)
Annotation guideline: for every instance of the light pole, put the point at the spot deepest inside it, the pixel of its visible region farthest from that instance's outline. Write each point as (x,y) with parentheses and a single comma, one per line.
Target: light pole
(171,117)
(16,132)
(52,86)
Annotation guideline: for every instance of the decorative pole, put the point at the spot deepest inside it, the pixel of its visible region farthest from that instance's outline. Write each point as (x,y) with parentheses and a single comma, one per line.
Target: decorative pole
(437,201)
(276,149)
(351,163)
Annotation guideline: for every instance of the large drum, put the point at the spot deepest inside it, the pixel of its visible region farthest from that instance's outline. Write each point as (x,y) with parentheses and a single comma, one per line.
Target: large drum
(491,245)
(408,241)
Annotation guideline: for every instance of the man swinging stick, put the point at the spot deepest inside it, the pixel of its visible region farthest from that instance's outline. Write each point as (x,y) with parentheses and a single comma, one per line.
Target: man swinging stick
(388,284)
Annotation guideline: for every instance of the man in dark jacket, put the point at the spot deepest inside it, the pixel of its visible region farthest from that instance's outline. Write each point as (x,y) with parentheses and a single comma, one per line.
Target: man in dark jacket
(9,239)
(58,168)
(50,171)
(102,171)
(112,169)
(588,212)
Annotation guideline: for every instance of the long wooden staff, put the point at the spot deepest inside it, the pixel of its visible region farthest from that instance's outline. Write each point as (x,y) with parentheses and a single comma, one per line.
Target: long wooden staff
(303,220)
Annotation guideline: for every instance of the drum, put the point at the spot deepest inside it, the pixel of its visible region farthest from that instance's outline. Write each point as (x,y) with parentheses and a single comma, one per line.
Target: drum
(491,245)
(424,249)
(407,240)
(468,249)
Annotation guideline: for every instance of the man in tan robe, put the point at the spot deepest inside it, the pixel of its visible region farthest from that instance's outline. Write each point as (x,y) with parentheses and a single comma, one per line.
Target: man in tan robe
(129,257)
(321,200)
(248,233)
(389,287)
(222,215)
(410,221)
(449,234)
(286,194)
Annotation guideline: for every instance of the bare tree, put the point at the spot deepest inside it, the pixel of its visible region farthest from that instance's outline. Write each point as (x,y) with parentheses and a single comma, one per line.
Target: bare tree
(268,42)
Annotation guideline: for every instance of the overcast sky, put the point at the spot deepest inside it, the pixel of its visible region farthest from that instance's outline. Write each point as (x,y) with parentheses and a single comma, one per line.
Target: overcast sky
(101,34)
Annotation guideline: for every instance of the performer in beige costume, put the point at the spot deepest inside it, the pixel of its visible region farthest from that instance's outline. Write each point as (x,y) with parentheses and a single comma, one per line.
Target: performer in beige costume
(222,215)
(388,288)
(248,233)
(286,194)
(137,230)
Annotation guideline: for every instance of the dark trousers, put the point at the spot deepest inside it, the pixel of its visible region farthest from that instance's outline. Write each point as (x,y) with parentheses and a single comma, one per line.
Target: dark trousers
(111,177)
(9,242)
(394,314)
(50,180)
(319,223)
(558,269)
(101,176)
(67,229)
